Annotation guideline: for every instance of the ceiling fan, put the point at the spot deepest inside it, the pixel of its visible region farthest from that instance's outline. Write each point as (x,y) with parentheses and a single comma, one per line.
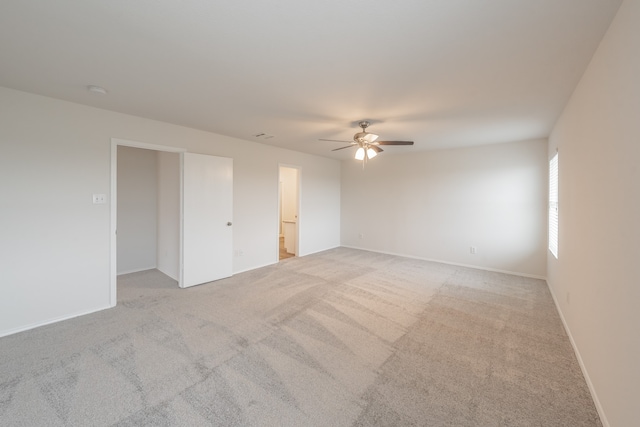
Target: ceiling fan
(368,146)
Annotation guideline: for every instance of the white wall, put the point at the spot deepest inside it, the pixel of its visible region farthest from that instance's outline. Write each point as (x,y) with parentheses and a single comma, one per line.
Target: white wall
(168,250)
(137,209)
(319,214)
(54,251)
(436,205)
(596,278)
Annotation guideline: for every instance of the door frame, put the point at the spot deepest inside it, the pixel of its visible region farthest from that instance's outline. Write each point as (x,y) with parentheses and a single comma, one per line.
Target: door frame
(113,215)
(298,207)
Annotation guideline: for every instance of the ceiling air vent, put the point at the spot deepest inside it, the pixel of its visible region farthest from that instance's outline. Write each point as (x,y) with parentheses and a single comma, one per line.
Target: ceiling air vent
(263,136)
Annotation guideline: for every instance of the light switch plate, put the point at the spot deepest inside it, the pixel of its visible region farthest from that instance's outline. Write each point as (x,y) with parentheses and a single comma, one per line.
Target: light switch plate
(99,199)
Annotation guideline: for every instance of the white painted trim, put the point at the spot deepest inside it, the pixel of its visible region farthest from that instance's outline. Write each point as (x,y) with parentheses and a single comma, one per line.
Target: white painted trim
(154,147)
(138,270)
(476,267)
(277,247)
(113,220)
(583,368)
(322,250)
(113,227)
(255,268)
(170,276)
(298,209)
(53,320)
(181,224)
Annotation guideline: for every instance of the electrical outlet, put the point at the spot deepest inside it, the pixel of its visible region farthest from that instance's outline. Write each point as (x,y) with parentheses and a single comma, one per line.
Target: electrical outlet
(472,249)
(99,199)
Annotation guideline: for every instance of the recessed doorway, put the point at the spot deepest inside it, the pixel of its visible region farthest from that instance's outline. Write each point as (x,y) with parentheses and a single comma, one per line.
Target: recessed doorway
(181,182)
(289,184)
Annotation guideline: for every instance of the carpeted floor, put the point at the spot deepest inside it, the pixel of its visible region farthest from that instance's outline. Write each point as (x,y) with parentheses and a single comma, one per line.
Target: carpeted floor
(339,338)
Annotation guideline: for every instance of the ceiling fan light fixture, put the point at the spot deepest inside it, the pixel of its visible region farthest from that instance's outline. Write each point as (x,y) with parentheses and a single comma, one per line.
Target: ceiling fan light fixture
(370,137)
(367,144)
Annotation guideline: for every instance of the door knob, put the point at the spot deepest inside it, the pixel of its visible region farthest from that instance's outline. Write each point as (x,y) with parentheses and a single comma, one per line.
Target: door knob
(229,224)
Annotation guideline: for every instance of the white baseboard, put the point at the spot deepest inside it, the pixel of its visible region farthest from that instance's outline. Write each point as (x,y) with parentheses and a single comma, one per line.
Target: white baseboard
(254,268)
(476,267)
(276,262)
(585,373)
(319,250)
(167,274)
(50,321)
(136,270)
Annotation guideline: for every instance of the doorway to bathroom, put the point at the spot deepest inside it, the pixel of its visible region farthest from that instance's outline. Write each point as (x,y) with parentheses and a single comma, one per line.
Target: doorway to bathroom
(289,182)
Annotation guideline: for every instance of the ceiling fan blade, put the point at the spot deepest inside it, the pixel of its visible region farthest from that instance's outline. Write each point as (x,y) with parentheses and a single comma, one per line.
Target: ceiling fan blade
(342,148)
(394,142)
(376,148)
(333,140)
(369,137)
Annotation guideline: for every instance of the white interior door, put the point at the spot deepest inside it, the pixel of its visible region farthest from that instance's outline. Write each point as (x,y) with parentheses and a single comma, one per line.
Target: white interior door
(207,207)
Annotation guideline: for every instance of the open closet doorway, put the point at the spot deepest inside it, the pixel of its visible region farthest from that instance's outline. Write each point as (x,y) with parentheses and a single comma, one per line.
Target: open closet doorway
(147,213)
(173,214)
(289,184)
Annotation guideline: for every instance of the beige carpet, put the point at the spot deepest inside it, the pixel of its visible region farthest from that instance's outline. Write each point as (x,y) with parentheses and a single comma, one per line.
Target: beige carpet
(340,338)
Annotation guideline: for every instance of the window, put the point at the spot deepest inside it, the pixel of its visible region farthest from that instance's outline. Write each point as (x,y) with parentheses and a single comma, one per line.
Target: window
(553,205)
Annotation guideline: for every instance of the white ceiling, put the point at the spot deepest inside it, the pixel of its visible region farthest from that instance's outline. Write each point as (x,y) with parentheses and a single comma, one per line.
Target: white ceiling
(444,73)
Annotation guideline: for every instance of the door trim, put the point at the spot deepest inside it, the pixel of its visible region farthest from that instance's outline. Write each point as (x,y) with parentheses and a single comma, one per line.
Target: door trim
(113,214)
